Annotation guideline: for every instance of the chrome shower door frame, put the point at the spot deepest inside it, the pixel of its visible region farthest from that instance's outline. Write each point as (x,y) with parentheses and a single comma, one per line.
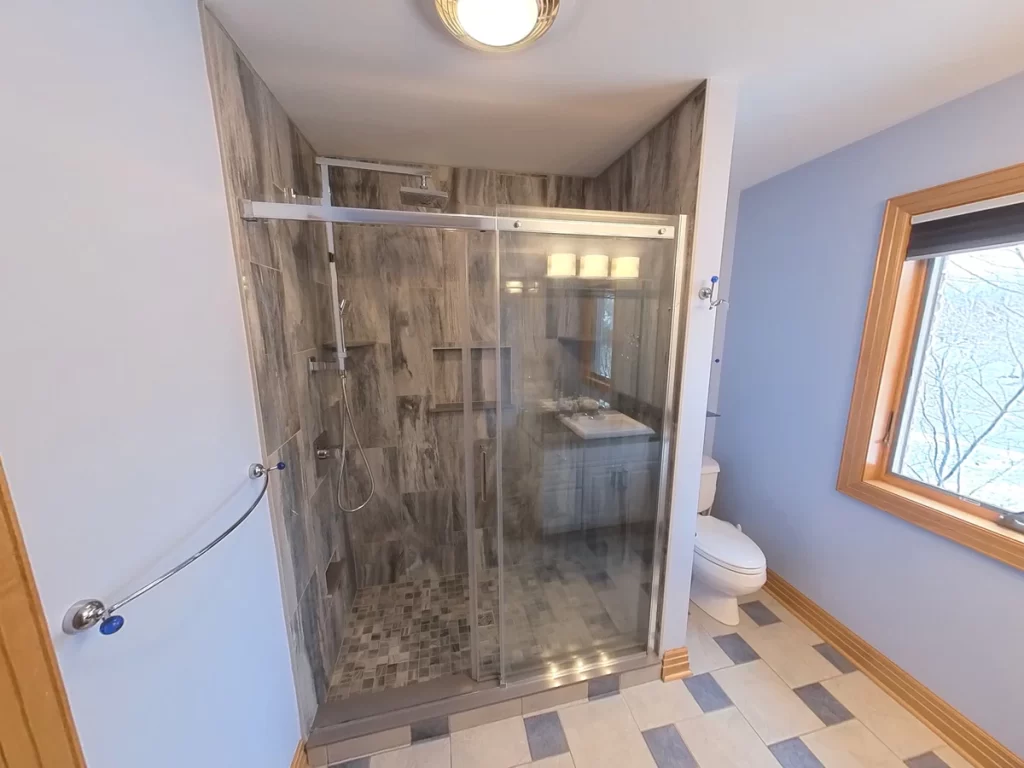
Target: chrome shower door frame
(575,222)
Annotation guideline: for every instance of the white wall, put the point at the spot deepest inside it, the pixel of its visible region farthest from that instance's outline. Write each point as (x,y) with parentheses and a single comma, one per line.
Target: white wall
(127,418)
(705,260)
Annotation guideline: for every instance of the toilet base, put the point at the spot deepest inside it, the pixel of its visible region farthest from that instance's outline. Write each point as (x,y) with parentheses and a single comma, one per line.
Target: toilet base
(717,605)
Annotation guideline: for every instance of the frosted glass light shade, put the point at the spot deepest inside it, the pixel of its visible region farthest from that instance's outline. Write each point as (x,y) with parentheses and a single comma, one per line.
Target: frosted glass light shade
(594,265)
(626,267)
(498,23)
(561,265)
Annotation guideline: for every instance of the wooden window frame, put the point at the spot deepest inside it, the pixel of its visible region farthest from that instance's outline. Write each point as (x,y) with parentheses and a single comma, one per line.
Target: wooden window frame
(886,357)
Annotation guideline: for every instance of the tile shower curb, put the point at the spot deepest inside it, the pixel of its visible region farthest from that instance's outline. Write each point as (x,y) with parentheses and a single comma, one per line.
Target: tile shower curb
(329,744)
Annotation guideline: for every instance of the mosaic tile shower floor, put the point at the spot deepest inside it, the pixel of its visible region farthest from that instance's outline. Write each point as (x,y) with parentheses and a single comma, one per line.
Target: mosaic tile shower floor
(577,596)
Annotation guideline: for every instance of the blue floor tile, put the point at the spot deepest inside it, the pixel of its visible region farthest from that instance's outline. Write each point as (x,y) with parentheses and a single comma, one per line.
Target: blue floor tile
(668,749)
(545,736)
(707,692)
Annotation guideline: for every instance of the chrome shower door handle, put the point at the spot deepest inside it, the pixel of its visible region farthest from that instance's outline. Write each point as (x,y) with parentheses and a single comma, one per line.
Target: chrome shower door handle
(483,473)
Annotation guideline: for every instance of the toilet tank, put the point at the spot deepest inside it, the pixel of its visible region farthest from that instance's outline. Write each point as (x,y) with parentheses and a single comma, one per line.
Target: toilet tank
(708,483)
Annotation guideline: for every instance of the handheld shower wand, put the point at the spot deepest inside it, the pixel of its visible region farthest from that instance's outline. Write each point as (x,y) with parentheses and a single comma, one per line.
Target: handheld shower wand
(342,305)
(340,328)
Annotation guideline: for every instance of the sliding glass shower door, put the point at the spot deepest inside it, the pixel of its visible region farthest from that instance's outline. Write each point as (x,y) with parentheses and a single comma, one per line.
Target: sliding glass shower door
(571,363)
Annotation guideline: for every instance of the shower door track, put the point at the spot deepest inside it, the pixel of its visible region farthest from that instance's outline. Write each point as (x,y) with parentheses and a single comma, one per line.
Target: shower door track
(659,228)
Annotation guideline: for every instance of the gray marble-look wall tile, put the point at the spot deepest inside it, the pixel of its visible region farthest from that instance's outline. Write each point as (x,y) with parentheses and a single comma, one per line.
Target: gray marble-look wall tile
(272,360)
(413,254)
(659,173)
(480,249)
(454,315)
(312,633)
(303,669)
(355,189)
(473,191)
(566,192)
(294,244)
(429,545)
(521,189)
(287,499)
(371,391)
(380,562)
(311,390)
(415,316)
(361,283)
(321,525)
(384,516)
(418,465)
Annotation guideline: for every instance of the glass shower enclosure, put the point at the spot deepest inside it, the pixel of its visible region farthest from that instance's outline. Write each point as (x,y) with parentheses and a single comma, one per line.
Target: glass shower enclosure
(533,365)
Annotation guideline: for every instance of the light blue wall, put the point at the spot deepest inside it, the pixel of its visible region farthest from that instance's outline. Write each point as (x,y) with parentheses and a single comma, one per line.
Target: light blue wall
(804,257)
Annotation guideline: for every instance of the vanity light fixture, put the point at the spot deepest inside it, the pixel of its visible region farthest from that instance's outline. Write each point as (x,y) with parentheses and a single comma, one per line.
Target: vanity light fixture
(497,25)
(594,265)
(626,267)
(561,265)
(514,286)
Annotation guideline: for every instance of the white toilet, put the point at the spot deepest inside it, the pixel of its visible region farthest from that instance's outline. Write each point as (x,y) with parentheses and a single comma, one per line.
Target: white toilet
(726,562)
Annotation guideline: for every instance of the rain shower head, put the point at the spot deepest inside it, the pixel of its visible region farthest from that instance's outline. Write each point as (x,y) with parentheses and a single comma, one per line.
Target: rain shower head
(423,197)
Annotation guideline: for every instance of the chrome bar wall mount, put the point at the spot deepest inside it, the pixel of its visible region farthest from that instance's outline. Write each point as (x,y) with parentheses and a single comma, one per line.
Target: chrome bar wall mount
(86,614)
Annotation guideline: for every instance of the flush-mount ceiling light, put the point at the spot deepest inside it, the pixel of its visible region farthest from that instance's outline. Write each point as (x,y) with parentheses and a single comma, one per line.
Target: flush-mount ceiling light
(497,25)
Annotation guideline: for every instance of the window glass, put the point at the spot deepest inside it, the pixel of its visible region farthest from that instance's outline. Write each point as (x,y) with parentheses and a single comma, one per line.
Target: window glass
(601,361)
(962,426)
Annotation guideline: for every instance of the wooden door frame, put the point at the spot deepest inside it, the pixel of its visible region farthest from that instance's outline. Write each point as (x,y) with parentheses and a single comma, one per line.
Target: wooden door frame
(36,727)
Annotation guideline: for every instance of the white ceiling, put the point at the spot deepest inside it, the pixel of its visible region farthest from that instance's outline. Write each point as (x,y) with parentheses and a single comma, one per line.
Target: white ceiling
(382,79)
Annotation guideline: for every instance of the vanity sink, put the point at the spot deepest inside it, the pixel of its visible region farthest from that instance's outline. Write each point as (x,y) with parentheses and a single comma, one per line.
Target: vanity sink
(609,424)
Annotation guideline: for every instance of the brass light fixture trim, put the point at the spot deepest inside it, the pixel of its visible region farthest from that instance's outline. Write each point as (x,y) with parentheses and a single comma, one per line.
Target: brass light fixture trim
(547,10)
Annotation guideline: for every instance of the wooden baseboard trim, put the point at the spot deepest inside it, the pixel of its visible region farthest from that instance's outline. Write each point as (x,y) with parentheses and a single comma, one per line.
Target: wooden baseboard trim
(299,759)
(675,664)
(975,744)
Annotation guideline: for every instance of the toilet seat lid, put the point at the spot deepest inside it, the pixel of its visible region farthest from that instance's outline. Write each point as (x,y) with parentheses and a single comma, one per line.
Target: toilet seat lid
(727,546)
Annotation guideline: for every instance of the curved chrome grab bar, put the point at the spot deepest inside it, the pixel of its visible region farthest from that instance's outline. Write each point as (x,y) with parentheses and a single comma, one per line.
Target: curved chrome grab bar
(86,614)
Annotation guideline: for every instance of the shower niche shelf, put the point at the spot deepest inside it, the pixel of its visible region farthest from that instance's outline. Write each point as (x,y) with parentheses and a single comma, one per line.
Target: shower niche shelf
(448,379)
(330,346)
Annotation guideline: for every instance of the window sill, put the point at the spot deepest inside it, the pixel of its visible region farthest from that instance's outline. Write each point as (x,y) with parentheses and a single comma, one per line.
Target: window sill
(971,531)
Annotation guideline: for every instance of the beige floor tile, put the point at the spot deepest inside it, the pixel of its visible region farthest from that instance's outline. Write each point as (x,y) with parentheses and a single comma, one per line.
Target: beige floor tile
(793,660)
(771,708)
(602,733)
(900,731)
(803,632)
(558,761)
(427,754)
(724,739)
(658,703)
(850,745)
(705,654)
(714,627)
(952,758)
(497,745)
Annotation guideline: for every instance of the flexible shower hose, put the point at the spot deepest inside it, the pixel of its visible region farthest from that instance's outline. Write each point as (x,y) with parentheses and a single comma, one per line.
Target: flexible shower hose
(347,415)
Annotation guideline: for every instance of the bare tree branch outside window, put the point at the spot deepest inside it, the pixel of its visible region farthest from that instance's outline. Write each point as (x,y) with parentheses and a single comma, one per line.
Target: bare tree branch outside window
(963,425)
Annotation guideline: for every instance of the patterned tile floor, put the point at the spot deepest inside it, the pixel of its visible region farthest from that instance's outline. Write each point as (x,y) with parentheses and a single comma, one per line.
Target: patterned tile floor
(578,595)
(768,693)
